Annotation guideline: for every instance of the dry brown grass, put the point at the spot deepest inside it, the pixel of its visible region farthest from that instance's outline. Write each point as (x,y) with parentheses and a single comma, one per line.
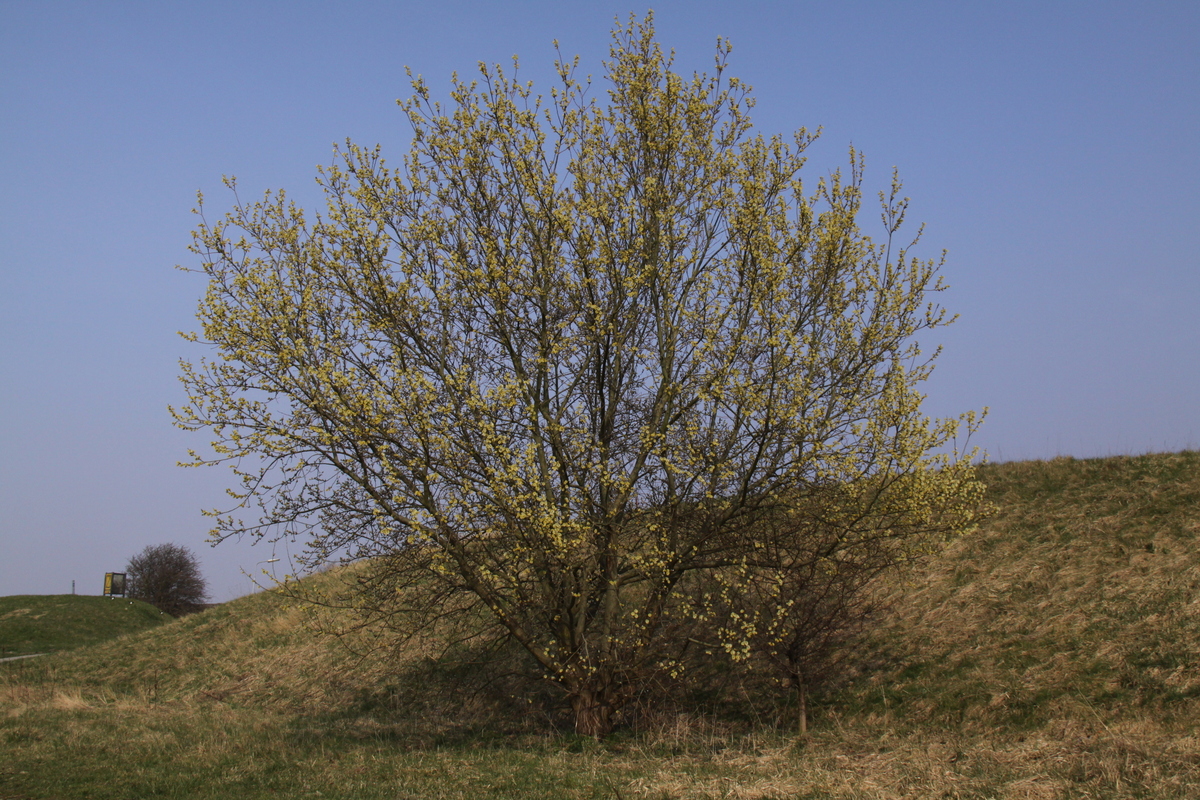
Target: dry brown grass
(258,650)
(1065,760)
(1083,590)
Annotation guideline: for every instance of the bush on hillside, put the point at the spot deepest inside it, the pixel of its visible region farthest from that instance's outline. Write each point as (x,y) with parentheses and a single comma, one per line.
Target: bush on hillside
(167,576)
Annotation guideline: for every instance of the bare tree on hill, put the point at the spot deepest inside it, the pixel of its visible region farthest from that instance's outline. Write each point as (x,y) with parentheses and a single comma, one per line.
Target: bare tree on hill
(168,577)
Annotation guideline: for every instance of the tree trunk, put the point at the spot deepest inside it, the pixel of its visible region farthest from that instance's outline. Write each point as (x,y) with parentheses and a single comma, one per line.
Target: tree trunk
(593,713)
(802,701)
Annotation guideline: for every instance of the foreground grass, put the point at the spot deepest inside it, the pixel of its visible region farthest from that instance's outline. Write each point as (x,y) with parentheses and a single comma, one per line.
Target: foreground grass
(1055,653)
(50,623)
(126,751)
(68,747)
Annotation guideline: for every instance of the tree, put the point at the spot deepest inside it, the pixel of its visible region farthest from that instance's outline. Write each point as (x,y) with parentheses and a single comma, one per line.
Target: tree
(168,577)
(813,586)
(568,360)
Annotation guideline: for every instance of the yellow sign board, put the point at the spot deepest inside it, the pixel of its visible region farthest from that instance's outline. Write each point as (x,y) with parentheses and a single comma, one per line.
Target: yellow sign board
(114,583)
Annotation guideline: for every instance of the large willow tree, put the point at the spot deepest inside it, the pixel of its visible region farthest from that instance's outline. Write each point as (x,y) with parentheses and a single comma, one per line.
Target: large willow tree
(604,369)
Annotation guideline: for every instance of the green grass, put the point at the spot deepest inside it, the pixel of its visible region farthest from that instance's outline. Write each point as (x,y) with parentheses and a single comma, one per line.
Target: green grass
(1053,653)
(50,623)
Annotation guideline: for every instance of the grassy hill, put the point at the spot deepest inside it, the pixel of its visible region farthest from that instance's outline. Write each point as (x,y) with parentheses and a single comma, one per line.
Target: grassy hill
(1082,593)
(1054,653)
(50,623)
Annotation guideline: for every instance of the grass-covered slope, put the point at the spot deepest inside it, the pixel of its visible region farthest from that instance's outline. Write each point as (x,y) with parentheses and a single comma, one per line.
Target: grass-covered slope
(50,623)
(244,648)
(1080,596)
(264,651)
(1053,653)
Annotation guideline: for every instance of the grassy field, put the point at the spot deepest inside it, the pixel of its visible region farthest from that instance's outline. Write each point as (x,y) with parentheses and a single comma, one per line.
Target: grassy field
(1054,653)
(50,623)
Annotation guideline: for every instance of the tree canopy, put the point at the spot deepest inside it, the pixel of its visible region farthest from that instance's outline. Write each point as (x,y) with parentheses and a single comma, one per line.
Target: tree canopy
(168,577)
(606,370)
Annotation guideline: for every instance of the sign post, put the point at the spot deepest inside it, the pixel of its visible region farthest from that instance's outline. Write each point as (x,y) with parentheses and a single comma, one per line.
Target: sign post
(114,584)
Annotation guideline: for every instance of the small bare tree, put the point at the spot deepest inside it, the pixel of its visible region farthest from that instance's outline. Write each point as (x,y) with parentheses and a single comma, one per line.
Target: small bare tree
(168,577)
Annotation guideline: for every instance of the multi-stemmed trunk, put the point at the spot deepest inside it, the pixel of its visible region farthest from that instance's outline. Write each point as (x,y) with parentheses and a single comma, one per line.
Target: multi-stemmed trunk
(594,712)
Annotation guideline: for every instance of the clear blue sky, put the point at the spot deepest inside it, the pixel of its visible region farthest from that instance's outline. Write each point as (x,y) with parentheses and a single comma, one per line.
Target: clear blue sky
(1053,148)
